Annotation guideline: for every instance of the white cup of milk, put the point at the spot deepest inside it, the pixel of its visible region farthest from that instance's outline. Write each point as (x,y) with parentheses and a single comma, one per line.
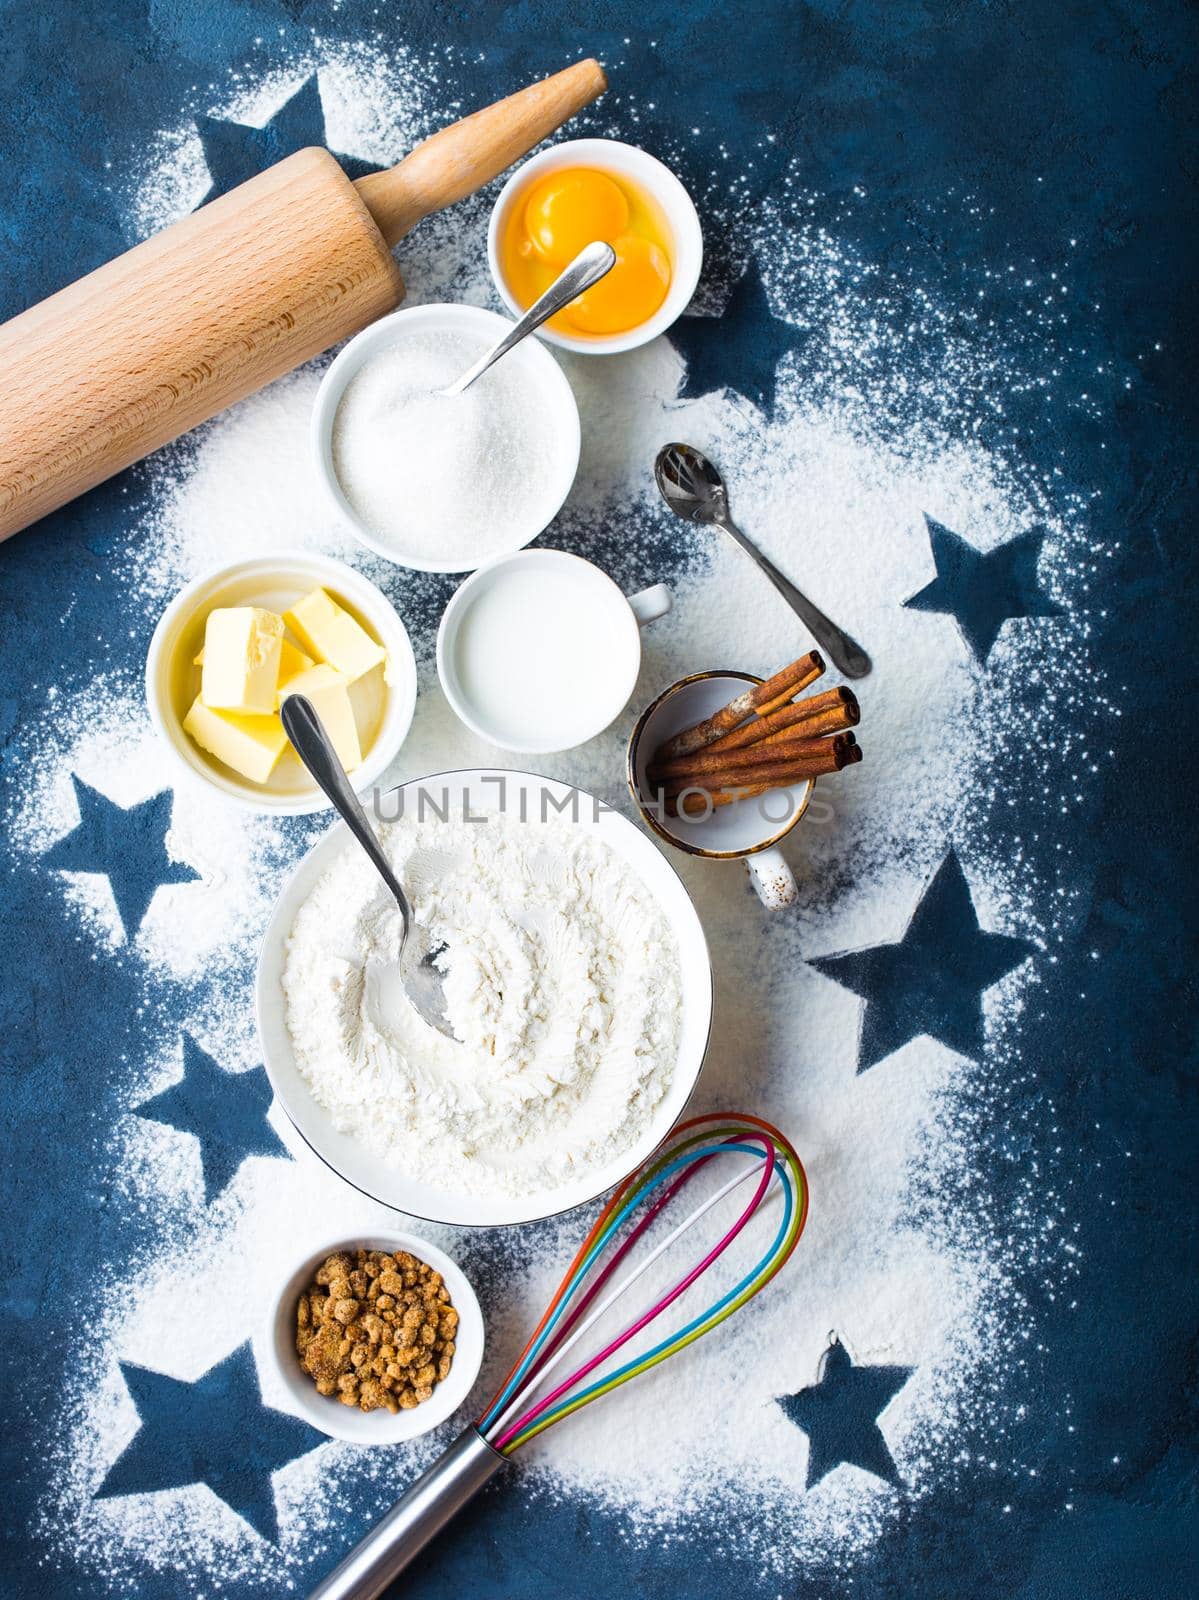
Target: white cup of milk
(540,651)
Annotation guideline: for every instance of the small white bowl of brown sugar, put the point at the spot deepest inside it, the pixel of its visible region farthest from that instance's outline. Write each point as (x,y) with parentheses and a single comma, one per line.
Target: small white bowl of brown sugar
(378,1339)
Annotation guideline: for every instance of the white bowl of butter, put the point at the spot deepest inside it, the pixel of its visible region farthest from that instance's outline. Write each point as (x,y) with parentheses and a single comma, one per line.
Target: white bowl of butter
(291,616)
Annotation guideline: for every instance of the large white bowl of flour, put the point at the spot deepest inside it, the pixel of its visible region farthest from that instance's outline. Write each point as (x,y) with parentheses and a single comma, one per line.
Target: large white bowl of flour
(579,987)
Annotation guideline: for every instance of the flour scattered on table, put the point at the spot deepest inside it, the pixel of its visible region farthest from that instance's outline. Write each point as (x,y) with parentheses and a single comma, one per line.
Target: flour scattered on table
(200,929)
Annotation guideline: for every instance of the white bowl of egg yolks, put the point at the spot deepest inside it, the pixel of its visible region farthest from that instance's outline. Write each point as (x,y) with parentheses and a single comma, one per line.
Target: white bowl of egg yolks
(586,189)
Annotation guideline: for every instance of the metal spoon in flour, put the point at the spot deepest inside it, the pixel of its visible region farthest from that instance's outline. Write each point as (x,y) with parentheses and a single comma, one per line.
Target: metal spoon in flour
(694,490)
(593,262)
(421,979)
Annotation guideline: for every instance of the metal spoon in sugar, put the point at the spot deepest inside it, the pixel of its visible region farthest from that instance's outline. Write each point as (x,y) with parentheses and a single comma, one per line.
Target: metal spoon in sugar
(591,264)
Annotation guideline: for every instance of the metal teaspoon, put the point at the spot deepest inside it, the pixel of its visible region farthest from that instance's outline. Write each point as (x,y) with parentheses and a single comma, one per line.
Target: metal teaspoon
(695,491)
(593,262)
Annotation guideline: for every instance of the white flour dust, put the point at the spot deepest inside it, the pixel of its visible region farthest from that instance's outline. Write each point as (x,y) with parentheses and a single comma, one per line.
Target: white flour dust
(903,1258)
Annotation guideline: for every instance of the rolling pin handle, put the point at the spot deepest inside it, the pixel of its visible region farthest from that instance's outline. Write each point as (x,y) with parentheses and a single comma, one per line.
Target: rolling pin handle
(460,159)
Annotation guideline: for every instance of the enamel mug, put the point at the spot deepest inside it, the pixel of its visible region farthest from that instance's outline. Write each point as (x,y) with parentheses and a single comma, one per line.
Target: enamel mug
(749,830)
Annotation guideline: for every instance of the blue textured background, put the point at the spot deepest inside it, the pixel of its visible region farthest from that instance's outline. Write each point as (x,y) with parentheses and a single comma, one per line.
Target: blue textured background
(1053,113)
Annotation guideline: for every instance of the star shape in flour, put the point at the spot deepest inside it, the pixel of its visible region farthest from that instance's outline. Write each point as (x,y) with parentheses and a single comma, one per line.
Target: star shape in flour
(215,1431)
(983,591)
(234,151)
(931,981)
(741,349)
(126,844)
(840,1415)
(226,1111)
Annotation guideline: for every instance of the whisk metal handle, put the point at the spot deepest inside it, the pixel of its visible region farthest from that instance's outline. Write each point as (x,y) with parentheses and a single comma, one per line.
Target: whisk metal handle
(414,1520)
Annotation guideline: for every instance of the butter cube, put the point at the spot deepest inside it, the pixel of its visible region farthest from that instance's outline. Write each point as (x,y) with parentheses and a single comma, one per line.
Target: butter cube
(332,635)
(248,743)
(242,647)
(330,696)
(291,662)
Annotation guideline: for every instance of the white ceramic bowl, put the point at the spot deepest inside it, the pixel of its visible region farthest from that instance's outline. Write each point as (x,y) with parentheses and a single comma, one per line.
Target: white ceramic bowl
(548,388)
(382,1426)
(687,240)
(276,582)
(479,790)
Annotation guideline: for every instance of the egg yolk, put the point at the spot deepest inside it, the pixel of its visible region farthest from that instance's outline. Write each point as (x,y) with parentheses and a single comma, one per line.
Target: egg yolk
(629,294)
(566,211)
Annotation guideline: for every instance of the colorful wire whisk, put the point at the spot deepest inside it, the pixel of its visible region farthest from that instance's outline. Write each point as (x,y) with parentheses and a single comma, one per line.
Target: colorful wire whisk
(761,1159)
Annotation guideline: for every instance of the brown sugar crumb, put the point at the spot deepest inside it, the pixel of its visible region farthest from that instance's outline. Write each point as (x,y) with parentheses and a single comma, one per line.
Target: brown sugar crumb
(376,1330)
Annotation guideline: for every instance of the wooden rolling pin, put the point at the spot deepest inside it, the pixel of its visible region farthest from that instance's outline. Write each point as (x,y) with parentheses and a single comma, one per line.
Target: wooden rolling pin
(236,294)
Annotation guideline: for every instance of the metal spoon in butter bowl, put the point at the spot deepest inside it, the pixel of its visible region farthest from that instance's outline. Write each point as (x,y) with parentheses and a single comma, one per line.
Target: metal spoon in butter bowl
(694,490)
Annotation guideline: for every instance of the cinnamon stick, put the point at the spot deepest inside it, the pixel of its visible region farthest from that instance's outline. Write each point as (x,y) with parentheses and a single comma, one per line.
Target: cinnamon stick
(769,726)
(803,740)
(752,765)
(781,698)
(766,696)
(691,803)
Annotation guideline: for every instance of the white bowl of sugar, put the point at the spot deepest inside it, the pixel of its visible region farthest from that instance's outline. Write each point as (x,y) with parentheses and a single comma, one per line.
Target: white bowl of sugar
(443,484)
